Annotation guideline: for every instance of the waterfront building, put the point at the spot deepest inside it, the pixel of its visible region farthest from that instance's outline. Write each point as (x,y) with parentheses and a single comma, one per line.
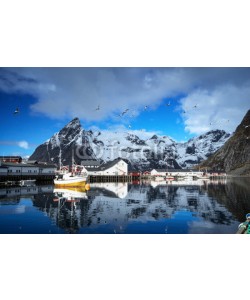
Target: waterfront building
(117,167)
(177,172)
(18,171)
(11,159)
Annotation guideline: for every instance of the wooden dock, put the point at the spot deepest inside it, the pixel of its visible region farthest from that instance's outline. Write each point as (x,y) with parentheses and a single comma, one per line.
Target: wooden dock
(111,178)
(16,178)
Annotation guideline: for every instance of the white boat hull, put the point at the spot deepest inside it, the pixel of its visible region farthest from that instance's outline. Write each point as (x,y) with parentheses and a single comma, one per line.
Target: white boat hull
(70,181)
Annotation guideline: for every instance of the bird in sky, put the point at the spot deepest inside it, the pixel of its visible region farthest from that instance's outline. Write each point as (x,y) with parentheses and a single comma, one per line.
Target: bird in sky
(16,111)
(145,107)
(125,111)
(98,107)
(168,104)
(195,106)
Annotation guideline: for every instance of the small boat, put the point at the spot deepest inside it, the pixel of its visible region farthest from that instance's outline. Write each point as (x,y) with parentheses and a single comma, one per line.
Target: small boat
(75,178)
(27,182)
(70,180)
(245,226)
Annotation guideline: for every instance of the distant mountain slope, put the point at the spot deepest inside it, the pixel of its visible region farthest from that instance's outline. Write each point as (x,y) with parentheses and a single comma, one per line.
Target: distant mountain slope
(234,156)
(60,147)
(141,154)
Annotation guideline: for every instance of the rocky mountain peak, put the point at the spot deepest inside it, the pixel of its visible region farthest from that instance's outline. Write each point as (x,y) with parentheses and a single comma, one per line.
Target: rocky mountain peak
(244,123)
(70,130)
(75,123)
(234,155)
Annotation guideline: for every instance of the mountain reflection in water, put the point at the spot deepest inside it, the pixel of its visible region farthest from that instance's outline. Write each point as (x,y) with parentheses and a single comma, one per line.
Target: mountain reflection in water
(149,207)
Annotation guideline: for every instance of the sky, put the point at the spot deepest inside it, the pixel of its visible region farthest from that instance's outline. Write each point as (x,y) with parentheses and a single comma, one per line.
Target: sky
(177,102)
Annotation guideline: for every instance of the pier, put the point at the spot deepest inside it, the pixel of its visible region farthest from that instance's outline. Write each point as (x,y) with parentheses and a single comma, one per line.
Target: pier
(17,178)
(112,178)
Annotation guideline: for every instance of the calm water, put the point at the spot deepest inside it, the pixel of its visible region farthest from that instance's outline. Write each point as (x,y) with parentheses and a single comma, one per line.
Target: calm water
(177,207)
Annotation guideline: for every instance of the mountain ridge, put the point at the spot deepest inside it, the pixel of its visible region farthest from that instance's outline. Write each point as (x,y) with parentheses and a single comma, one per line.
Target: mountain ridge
(141,153)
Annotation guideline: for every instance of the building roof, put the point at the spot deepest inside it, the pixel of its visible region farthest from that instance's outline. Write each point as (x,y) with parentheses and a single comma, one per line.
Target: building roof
(8,157)
(9,164)
(107,165)
(44,165)
(90,162)
(37,162)
(32,162)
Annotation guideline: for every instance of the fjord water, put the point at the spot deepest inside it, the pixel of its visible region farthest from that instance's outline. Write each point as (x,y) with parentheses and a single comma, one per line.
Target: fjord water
(107,208)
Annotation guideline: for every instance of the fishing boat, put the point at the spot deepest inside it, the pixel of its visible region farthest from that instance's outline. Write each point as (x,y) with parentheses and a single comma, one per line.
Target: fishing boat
(77,176)
(245,226)
(70,180)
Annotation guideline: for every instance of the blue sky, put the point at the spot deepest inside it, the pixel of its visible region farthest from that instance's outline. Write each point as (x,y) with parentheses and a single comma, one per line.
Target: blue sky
(48,98)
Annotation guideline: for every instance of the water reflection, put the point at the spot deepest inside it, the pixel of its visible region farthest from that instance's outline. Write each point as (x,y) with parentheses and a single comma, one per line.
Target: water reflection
(150,207)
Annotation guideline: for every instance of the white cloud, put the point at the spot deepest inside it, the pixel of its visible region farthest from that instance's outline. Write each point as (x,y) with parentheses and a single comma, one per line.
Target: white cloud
(221,93)
(23,144)
(221,108)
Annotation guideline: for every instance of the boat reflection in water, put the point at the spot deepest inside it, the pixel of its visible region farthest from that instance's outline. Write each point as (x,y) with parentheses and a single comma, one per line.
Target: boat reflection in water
(66,207)
(200,206)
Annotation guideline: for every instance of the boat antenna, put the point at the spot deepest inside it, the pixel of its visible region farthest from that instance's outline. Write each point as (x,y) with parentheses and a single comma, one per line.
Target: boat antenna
(72,163)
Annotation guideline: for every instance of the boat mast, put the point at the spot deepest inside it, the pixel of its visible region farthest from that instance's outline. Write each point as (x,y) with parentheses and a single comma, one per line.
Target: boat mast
(72,166)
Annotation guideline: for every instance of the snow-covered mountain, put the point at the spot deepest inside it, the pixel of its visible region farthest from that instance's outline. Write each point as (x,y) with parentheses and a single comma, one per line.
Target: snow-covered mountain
(141,152)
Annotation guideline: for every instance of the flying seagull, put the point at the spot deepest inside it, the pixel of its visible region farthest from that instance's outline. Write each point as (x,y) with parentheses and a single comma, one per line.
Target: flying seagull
(98,107)
(125,111)
(16,111)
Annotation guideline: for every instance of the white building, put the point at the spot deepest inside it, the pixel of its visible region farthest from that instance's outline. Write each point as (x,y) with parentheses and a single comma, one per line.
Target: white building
(20,169)
(117,167)
(176,173)
(3,171)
